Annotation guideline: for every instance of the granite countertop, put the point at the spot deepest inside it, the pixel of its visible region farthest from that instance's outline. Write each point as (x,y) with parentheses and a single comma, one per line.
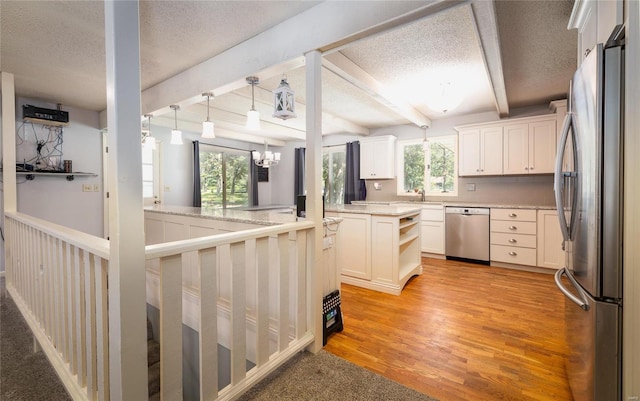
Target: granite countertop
(376,209)
(261,215)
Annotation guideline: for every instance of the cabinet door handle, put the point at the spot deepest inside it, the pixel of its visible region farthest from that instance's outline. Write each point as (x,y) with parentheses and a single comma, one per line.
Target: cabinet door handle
(478,170)
(513,240)
(526,168)
(513,215)
(513,228)
(531,168)
(513,253)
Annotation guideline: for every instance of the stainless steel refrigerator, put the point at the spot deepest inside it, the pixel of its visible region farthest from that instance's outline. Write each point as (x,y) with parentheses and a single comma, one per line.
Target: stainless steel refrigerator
(588,189)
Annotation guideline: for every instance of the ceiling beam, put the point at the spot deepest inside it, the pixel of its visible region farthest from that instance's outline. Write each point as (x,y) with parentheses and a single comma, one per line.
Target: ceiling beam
(325,25)
(349,71)
(484,16)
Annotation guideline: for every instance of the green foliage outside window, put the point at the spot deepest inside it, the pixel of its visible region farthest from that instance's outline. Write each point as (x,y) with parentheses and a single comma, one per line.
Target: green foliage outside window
(224,179)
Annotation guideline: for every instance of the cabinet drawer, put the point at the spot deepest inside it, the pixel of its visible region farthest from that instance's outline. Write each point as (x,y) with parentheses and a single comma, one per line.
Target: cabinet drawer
(432,214)
(515,227)
(527,241)
(513,214)
(513,254)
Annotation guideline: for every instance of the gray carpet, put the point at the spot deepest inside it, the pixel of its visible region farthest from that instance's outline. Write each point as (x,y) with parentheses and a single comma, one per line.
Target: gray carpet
(325,377)
(28,376)
(24,375)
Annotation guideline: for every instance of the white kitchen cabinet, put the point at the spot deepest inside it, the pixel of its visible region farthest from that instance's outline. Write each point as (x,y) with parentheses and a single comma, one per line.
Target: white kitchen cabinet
(477,151)
(377,157)
(353,253)
(550,253)
(513,236)
(530,148)
(595,20)
(432,229)
(560,108)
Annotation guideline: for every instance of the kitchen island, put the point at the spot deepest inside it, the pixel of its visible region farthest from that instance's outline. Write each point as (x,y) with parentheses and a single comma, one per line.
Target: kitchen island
(378,245)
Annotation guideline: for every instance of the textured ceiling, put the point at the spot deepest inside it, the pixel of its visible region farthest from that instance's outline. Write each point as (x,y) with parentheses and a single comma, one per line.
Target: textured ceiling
(538,51)
(55,49)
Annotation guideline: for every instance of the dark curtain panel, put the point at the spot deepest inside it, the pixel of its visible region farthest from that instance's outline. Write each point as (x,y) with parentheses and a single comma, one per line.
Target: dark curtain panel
(354,187)
(254,180)
(299,184)
(197,201)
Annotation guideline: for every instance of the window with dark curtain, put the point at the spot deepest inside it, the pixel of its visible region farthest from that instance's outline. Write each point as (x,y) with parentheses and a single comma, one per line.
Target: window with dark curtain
(354,187)
(299,184)
(197,199)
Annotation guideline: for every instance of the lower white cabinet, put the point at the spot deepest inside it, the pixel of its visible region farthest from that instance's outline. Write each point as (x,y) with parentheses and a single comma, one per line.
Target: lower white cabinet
(353,252)
(550,253)
(378,252)
(432,229)
(513,236)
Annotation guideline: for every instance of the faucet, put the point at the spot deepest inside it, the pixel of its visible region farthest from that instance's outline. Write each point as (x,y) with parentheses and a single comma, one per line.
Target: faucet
(422,198)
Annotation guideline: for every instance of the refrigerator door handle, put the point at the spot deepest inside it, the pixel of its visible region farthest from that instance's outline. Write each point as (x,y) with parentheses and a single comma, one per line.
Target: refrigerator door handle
(558,179)
(580,302)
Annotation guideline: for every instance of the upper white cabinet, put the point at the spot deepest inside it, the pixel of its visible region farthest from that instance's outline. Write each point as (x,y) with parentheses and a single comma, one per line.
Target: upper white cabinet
(377,157)
(530,148)
(594,20)
(477,151)
(512,146)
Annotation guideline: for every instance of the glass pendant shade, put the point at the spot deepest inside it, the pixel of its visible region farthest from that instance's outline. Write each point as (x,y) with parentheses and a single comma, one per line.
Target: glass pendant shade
(253,120)
(176,137)
(207,130)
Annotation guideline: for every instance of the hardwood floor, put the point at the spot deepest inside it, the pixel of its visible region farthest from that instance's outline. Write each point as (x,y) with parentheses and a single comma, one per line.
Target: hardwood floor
(461,332)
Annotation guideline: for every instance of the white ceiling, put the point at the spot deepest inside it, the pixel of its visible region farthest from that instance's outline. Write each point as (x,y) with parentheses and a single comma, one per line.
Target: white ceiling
(497,55)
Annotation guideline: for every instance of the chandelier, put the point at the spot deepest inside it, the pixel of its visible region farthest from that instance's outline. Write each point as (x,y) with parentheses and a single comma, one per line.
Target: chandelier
(266,159)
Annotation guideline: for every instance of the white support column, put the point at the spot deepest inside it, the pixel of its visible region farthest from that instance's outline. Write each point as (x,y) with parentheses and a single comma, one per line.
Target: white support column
(8,142)
(7,89)
(313,177)
(127,300)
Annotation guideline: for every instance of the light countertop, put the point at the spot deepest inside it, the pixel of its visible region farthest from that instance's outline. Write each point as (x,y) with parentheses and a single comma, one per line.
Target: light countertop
(261,215)
(456,204)
(376,209)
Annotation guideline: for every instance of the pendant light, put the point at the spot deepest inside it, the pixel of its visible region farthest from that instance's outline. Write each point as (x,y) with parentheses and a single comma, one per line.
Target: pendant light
(284,100)
(176,135)
(207,126)
(425,142)
(148,142)
(253,116)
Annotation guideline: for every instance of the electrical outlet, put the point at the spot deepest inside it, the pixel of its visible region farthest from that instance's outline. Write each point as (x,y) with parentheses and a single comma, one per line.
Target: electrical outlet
(96,188)
(167,188)
(471,187)
(87,188)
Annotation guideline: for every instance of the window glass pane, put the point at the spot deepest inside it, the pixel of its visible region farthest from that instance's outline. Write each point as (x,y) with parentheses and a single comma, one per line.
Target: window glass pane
(224,178)
(442,173)
(147,189)
(237,181)
(413,167)
(147,172)
(147,155)
(333,171)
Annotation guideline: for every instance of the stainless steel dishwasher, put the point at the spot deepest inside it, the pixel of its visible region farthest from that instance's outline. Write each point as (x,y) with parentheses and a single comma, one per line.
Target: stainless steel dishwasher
(467,234)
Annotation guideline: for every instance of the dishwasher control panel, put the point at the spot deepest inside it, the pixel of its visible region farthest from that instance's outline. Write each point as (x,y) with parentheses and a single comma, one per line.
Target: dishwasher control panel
(467,210)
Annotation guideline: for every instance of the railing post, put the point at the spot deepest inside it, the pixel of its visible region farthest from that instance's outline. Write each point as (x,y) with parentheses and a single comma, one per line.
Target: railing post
(126,276)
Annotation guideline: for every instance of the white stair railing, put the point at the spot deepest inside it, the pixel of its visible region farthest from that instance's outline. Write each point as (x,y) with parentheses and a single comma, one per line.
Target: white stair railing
(260,278)
(58,279)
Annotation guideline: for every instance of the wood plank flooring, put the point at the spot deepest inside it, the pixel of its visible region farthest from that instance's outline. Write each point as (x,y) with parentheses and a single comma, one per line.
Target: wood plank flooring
(461,332)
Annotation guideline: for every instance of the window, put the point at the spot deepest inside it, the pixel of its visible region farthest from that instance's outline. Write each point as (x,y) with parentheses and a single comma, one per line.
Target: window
(333,169)
(224,177)
(151,175)
(431,165)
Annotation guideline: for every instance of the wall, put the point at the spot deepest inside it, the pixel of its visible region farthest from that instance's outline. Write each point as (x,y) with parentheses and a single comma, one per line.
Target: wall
(54,198)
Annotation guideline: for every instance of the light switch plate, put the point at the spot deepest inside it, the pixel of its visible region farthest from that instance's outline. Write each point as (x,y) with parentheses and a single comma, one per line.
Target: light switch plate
(471,187)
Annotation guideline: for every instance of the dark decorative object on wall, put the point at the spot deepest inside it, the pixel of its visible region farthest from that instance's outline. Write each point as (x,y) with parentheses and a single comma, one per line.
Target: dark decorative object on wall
(263,174)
